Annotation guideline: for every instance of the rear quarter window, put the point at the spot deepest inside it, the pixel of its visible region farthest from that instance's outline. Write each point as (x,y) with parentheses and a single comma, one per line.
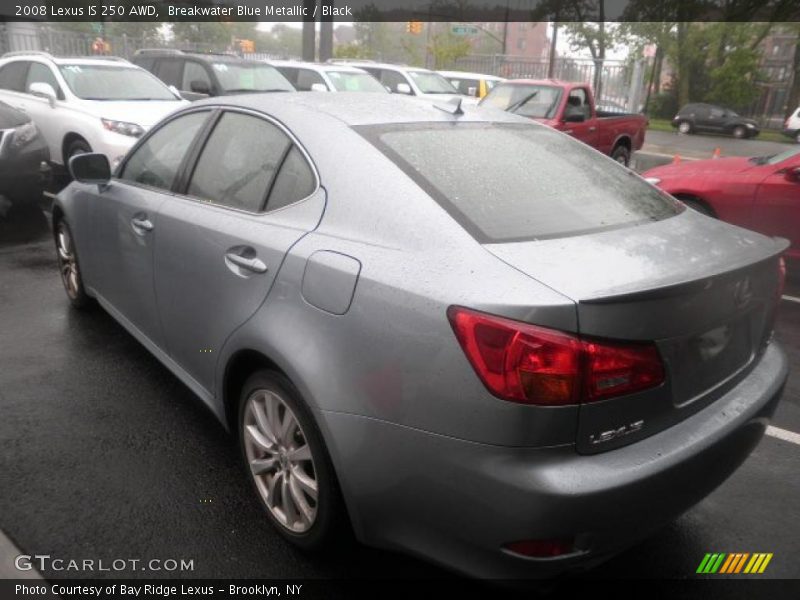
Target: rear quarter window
(512,182)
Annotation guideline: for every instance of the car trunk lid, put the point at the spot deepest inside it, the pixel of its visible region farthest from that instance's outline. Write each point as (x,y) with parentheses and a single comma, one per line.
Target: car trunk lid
(703,291)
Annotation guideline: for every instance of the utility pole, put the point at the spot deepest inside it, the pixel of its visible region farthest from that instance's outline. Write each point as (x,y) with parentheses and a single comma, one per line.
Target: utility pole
(551,63)
(326,33)
(309,31)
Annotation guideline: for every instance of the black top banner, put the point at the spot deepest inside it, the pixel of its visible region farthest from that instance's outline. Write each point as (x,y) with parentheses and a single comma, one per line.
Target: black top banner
(401,10)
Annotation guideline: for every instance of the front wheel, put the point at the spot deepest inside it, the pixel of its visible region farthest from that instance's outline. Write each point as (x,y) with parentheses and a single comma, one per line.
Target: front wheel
(622,155)
(685,127)
(287,462)
(739,132)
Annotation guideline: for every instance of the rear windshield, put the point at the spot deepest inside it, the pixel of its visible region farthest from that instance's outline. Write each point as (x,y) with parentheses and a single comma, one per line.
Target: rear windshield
(510,182)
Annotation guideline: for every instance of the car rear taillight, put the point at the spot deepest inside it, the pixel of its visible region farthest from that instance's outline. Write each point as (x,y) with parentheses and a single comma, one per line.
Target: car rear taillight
(529,364)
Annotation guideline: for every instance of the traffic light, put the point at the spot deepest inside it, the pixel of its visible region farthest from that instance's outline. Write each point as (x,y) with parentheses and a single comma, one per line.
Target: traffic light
(414,27)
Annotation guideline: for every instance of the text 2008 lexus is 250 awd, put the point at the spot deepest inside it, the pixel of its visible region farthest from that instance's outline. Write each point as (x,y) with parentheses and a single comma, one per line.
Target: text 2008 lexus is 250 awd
(463,334)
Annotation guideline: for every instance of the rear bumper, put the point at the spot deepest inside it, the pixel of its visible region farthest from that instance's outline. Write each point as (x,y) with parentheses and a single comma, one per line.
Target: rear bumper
(457,502)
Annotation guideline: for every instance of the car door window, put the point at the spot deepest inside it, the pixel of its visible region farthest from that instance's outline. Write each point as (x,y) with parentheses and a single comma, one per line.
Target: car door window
(39,73)
(156,162)
(12,76)
(717,113)
(169,71)
(194,71)
(306,78)
(578,103)
(290,73)
(239,162)
(294,182)
(392,79)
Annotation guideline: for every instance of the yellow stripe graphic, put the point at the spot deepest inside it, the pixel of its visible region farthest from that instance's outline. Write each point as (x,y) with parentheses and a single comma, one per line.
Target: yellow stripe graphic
(749,566)
(764,564)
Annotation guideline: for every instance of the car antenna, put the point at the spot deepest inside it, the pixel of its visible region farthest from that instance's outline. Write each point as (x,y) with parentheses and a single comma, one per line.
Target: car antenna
(452,106)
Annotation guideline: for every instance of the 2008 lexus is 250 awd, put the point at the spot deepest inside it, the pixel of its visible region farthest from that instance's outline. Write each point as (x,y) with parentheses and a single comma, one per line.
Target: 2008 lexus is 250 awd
(463,334)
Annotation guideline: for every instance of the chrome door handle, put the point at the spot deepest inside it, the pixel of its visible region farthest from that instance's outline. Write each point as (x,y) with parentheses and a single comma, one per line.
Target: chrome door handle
(141,225)
(250,264)
(592,129)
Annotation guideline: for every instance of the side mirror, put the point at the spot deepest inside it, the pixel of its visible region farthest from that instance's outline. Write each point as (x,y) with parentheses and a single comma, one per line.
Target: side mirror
(319,87)
(198,86)
(792,174)
(403,88)
(43,90)
(574,118)
(90,168)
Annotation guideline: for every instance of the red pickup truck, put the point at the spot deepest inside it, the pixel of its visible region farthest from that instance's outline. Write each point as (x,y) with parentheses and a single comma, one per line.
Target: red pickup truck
(570,107)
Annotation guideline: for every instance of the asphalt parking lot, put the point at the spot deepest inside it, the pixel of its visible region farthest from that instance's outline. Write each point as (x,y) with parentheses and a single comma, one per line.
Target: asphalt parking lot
(107,455)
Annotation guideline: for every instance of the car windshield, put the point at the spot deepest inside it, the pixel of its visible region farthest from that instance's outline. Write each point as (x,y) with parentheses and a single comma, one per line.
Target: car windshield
(114,82)
(774,159)
(432,83)
(533,182)
(536,101)
(353,81)
(244,77)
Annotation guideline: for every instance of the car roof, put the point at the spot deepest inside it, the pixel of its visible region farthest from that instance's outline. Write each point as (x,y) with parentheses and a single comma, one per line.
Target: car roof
(299,64)
(356,109)
(551,82)
(470,75)
(378,65)
(112,61)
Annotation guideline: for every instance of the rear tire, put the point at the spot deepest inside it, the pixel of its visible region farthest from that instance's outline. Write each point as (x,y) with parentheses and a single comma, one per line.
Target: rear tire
(797,137)
(287,462)
(621,155)
(685,127)
(69,266)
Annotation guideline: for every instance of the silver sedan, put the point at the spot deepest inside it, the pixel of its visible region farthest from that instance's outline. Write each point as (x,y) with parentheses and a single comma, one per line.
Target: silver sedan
(461,334)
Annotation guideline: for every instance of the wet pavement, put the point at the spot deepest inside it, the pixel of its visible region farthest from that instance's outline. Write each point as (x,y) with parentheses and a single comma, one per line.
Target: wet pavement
(107,455)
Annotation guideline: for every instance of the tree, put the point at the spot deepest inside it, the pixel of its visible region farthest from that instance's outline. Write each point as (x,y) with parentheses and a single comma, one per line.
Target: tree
(210,34)
(445,47)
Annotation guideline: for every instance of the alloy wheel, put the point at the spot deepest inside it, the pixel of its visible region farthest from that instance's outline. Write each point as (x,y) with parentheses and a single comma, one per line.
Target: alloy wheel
(684,127)
(67,263)
(280,461)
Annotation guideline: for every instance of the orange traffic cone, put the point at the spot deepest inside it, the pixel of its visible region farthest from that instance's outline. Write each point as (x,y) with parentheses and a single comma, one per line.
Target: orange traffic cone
(676,159)
(716,153)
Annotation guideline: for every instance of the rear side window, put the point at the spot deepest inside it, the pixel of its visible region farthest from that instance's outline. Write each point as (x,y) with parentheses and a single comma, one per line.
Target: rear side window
(146,62)
(239,162)
(156,162)
(533,183)
(295,181)
(170,71)
(12,76)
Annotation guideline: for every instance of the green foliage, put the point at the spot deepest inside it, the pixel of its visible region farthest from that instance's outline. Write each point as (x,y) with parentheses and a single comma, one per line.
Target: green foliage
(731,84)
(211,34)
(663,105)
(352,50)
(446,48)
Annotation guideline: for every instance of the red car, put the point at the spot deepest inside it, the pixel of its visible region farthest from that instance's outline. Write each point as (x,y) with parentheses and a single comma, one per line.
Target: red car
(760,193)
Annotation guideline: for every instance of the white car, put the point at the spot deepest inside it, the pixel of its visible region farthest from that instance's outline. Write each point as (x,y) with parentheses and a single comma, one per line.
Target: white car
(326,77)
(471,84)
(791,126)
(412,81)
(85,104)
